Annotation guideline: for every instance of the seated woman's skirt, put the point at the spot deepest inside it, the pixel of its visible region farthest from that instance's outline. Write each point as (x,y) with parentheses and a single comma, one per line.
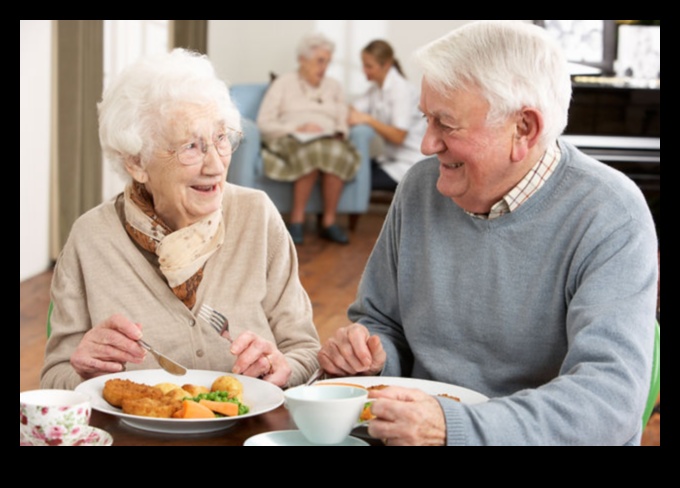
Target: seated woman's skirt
(287,159)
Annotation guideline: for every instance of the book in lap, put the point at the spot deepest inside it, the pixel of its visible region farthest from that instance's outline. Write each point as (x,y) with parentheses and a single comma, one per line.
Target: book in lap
(310,136)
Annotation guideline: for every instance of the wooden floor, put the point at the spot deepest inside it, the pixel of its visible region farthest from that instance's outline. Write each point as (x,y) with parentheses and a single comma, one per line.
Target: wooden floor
(329,272)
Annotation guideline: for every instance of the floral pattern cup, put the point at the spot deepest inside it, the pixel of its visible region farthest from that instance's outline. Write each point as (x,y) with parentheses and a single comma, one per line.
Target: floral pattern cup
(53,417)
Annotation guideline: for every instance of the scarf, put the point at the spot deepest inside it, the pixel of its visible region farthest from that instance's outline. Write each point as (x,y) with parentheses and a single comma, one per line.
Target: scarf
(182,253)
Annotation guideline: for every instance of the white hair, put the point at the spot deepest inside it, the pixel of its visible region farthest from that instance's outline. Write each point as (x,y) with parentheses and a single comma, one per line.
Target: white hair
(514,64)
(135,105)
(314,41)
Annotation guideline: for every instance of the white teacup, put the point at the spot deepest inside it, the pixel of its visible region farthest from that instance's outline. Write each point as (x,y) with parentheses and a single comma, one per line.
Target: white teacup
(53,417)
(325,414)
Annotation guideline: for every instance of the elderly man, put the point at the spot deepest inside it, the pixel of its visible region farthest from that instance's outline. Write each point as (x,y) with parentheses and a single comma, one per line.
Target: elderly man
(510,263)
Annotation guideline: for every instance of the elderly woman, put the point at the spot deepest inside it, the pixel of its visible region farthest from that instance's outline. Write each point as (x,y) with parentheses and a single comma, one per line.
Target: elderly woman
(303,119)
(178,237)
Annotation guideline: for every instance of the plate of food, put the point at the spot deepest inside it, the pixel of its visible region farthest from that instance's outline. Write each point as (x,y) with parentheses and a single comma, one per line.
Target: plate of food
(463,395)
(200,401)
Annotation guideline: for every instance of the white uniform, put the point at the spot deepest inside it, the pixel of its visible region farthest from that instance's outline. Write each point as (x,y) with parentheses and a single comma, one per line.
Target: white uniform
(396,104)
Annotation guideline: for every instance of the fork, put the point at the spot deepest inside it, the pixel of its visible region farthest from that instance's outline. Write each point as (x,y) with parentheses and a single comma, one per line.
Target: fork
(216,320)
(317,375)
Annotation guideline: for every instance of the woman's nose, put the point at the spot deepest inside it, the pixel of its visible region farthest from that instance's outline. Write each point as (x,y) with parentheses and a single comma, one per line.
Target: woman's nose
(214,163)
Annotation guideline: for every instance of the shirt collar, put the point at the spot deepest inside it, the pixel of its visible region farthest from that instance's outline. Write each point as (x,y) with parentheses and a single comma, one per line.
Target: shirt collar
(390,78)
(528,186)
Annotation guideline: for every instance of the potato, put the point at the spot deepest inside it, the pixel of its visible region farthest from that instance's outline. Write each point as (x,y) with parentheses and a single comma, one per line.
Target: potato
(196,390)
(178,394)
(166,387)
(231,385)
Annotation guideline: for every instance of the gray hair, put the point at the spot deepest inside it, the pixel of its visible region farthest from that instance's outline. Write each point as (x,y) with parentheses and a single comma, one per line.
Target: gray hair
(314,41)
(515,64)
(136,104)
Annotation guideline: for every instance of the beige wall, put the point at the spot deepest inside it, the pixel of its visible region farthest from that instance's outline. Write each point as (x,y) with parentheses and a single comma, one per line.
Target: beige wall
(246,51)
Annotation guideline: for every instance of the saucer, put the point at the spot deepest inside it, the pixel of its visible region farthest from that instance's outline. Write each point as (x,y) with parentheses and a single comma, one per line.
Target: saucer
(90,436)
(294,438)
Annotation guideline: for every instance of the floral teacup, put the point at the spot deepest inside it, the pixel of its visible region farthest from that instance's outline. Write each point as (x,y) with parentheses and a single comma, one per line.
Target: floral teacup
(53,417)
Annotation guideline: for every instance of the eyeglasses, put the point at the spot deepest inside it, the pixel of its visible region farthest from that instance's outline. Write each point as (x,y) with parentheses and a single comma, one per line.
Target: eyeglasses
(225,142)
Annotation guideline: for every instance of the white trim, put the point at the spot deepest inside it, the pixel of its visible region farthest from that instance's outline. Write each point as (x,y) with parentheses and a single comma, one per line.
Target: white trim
(614,142)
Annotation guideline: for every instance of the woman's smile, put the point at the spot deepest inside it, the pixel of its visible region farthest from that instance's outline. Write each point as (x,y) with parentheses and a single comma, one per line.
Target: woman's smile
(205,188)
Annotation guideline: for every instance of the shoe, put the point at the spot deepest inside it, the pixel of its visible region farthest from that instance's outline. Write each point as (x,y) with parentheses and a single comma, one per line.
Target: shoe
(335,234)
(297,233)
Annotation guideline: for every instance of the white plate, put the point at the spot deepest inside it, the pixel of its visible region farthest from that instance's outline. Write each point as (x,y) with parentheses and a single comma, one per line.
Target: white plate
(258,395)
(294,438)
(466,395)
(90,436)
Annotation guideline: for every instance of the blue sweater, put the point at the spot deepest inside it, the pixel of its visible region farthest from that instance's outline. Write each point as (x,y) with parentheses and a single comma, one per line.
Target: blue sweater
(548,310)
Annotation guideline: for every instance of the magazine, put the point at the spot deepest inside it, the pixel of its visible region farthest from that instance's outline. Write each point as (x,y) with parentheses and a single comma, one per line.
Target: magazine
(310,136)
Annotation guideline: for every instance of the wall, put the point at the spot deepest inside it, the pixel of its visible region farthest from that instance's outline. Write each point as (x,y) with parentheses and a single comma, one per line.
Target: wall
(34,145)
(246,51)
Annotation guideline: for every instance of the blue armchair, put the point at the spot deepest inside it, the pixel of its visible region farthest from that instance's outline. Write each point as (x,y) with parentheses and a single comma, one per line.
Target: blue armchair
(246,167)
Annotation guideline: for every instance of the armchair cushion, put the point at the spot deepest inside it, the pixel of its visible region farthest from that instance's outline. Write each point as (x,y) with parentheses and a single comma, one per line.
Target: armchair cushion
(246,167)
(248,98)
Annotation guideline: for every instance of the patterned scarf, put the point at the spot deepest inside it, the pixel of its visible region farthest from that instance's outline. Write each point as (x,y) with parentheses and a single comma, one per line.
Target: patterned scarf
(182,253)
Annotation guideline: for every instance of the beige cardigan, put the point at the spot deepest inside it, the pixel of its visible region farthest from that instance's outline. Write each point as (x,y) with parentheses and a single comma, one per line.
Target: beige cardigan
(252,279)
(290,103)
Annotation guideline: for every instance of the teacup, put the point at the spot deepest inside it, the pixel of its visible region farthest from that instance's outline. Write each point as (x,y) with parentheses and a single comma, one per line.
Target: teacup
(53,417)
(325,414)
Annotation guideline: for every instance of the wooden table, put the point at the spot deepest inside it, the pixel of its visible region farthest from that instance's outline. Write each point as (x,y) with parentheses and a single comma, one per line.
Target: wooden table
(125,435)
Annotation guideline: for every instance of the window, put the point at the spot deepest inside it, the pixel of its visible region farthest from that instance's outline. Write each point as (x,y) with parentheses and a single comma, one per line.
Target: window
(589,42)
(124,42)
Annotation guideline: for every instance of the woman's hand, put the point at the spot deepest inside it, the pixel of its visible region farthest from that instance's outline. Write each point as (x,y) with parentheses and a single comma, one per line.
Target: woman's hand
(407,417)
(107,347)
(352,350)
(355,117)
(259,358)
(390,133)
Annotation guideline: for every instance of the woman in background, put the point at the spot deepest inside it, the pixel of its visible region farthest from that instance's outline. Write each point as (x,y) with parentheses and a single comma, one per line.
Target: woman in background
(303,119)
(391,107)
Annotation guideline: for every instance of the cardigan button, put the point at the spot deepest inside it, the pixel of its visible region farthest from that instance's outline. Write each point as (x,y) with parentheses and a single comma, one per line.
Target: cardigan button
(200,353)
(192,323)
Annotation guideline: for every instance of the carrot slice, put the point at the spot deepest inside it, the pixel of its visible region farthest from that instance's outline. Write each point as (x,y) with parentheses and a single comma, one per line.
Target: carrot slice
(366,413)
(227,409)
(193,410)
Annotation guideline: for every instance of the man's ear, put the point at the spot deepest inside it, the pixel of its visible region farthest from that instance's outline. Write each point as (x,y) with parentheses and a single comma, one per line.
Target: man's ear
(528,129)
(133,165)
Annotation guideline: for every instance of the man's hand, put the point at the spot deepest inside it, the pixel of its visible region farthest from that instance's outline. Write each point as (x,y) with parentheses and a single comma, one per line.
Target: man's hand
(407,417)
(351,351)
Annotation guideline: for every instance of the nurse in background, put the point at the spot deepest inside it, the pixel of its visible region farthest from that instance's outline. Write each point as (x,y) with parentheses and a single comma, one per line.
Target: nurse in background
(391,107)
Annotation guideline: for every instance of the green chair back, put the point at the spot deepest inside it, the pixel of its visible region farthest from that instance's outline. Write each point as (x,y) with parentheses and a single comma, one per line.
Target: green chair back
(655,385)
(49,320)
